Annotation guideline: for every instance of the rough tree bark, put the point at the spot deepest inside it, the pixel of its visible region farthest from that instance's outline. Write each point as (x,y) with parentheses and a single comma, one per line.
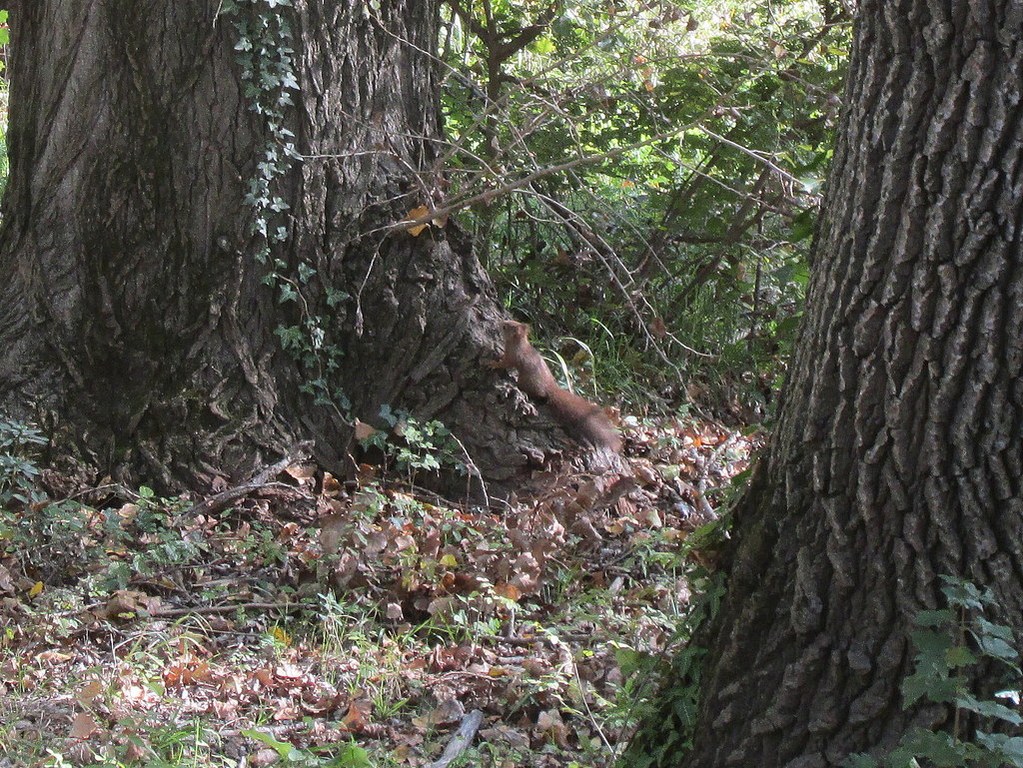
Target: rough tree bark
(132,309)
(898,454)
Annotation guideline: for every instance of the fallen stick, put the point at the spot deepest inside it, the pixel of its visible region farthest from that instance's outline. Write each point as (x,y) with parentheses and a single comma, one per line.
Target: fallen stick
(461,740)
(171,613)
(219,502)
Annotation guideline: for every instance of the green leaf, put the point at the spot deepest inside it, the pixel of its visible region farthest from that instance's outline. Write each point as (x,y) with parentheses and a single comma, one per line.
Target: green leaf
(283,748)
(938,747)
(1008,748)
(959,656)
(966,595)
(988,709)
(931,644)
(997,648)
(995,640)
(939,618)
(351,756)
(924,684)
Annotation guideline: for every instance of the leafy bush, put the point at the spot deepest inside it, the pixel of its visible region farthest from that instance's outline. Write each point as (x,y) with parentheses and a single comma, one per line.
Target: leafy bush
(949,643)
(19,442)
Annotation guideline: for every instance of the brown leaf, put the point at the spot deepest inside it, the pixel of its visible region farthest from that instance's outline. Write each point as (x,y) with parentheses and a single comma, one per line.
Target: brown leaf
(332,530)
(357,717)
(363,431)
(331,487)
(551,724)
(302,472)
(84,726)
(264,757)
(6,583)
(448,711)
(124,603)
(509,591)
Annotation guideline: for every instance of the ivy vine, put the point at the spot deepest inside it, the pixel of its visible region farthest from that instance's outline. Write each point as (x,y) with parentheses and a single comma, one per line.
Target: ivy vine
(265,56)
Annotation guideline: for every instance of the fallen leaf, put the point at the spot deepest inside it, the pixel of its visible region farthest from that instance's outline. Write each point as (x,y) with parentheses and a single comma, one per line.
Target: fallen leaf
(448,711)
(357,716)
(509,591)
(551,724)
(302,472)
(449,561)
(83,727)
(90,691)
(331,486)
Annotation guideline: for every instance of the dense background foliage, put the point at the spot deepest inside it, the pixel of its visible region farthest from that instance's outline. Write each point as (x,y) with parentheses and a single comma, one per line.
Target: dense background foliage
(649,173)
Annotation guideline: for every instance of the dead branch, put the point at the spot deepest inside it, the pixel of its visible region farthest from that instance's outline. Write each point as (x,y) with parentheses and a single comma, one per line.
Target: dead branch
(300,452)
(461,739)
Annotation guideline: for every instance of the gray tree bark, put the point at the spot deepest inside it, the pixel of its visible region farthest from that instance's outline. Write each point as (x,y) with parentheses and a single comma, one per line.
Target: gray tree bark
(898,453)
(133,312)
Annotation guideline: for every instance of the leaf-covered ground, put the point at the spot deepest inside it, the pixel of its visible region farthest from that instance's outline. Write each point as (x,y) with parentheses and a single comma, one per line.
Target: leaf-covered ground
(307,623)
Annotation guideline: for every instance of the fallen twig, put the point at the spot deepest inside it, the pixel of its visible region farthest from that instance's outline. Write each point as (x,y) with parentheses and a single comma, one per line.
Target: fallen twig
(461,740)
(300,452)
(169,613)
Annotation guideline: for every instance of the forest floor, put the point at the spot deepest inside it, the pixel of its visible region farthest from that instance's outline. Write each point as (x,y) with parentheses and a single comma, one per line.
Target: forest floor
(306,623)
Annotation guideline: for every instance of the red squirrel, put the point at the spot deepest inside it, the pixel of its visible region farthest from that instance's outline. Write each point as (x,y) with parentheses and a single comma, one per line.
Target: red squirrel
(581,419)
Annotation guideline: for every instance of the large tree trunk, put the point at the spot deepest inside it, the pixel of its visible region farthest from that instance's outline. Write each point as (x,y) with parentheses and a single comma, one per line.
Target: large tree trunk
(135,307)
(898,454)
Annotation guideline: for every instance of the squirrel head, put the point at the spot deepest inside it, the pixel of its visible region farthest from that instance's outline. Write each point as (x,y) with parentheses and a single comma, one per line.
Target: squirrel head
(514,331)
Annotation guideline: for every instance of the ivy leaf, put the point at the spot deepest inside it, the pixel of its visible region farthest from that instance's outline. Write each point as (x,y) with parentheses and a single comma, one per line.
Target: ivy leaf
(932,648)
(959,656)
(965,594)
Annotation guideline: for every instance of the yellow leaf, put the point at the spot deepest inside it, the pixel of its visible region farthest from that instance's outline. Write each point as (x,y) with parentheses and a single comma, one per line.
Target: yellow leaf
(280,636)
(37,588)
(416,213)
(449,561)
(90,691)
